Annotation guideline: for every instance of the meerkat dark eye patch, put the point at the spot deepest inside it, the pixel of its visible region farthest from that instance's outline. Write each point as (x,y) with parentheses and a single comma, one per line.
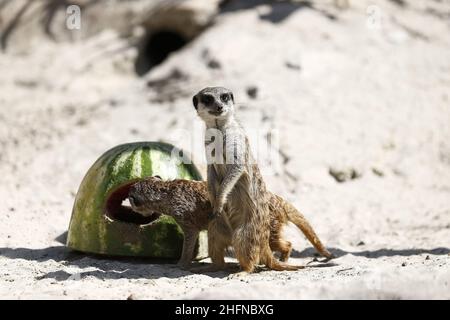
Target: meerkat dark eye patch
(207,99)
(195,101)
(224,97)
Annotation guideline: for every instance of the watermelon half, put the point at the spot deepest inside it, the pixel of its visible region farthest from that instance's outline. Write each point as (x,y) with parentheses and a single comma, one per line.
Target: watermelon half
(100,221)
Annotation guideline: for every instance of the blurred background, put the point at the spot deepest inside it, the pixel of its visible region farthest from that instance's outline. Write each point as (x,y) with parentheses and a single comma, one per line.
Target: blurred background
(357,93)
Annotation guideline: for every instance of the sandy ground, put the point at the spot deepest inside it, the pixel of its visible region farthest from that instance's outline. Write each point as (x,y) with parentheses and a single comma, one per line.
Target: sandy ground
(341,91)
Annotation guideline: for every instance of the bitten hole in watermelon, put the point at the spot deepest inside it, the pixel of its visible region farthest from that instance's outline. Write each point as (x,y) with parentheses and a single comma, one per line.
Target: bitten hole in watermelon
(117,208)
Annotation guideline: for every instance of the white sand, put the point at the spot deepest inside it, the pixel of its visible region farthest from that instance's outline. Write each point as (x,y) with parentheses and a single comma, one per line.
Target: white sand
(365,98)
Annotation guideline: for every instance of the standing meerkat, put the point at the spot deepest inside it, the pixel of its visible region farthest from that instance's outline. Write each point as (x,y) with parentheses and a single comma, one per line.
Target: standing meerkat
(188,203)
(236,188)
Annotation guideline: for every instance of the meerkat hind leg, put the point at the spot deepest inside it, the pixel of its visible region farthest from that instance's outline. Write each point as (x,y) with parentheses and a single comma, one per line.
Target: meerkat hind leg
(284,248)
(273,264)
(216,250)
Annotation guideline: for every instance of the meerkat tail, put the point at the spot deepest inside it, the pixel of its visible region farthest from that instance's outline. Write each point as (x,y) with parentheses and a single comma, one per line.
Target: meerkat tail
(300,221)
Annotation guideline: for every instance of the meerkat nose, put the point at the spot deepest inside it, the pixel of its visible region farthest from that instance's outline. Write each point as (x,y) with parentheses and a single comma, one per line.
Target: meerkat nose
(219,108)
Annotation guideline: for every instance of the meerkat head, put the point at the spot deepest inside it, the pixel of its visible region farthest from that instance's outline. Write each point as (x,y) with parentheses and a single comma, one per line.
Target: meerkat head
(214,103)
(145,195)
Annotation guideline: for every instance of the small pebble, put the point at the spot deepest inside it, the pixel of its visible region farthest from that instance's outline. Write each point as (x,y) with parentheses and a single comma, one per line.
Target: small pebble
(113,103)
(404,264)
(293,66)
(252,92)
(361,243)
(378,172)
(427,258)
(214,64)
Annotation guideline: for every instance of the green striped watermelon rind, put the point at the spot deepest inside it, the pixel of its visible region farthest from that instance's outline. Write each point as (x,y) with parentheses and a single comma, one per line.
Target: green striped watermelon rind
(92,232)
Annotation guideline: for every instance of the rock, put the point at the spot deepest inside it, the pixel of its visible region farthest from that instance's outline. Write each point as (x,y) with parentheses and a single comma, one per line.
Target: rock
(252,92)
(188,18)
(211,62)
(214,64)
(343,175)
(293,66)
(378,172)
(134,131)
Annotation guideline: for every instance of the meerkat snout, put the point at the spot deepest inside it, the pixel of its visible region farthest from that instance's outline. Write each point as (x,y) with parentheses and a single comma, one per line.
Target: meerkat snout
(134,198)
(133,201)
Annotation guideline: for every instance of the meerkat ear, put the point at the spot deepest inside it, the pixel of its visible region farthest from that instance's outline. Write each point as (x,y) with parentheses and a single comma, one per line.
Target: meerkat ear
(232,97)
(195,101)
(157,177)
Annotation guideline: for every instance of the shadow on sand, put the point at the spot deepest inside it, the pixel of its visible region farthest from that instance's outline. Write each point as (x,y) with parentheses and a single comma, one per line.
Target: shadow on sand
(278,10)
(106,267)
(140,268)
(373,254)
